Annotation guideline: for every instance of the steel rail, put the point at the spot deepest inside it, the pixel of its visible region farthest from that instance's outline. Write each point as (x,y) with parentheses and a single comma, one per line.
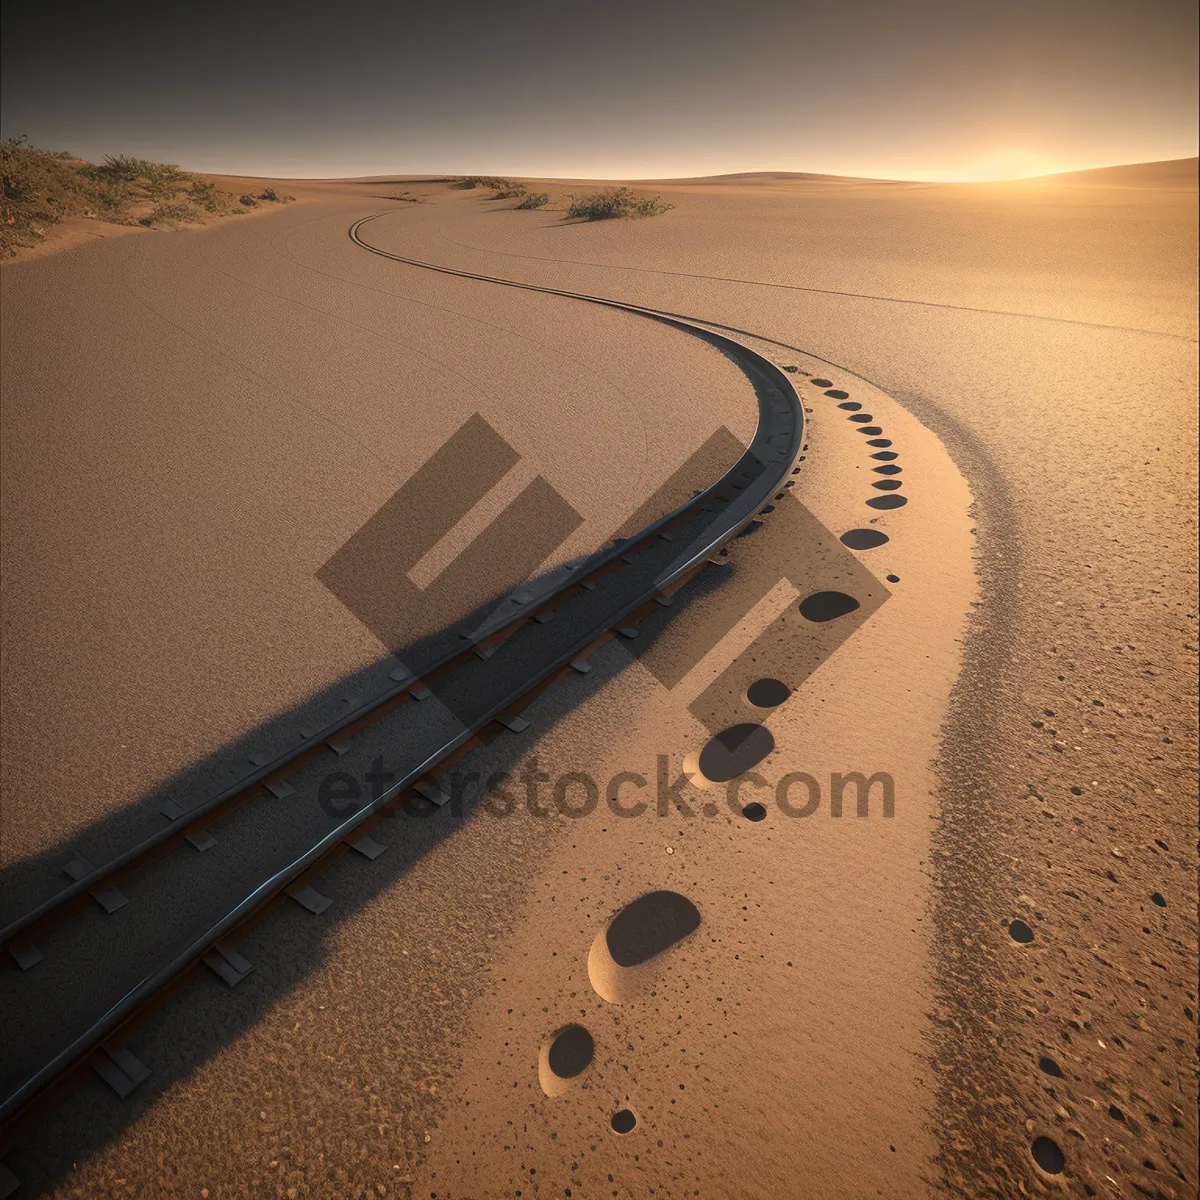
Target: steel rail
(759,473)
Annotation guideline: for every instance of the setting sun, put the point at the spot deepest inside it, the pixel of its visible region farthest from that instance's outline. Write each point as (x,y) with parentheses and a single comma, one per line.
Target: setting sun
(998,165)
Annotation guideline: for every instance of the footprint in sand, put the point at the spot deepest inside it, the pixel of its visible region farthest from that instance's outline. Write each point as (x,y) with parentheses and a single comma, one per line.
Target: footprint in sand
(730,753)
(565,1055)
(1048,1155)
(1020,932)
(623,1121)
(768,693)
(864,539)
(623,961)
(827,606)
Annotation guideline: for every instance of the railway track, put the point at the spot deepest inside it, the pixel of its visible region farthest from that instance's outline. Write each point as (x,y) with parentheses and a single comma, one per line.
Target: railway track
(493,672)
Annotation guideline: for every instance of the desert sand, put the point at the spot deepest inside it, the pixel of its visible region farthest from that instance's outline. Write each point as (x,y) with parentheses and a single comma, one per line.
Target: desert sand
(194,422)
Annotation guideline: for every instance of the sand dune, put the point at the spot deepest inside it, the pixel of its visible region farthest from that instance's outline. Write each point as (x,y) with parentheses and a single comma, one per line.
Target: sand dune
(1171,173)
(194,422)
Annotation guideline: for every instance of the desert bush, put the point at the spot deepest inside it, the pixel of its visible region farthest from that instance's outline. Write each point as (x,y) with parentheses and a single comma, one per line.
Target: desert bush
(121,166)
(171,214)
(163,180)
(203,192)
(40,188)
(534,200)
(247,201)
(487,181)
(110,196)
(210,198)
(615,202)
(507,193)
(650,206)
(267,194)
(122,178)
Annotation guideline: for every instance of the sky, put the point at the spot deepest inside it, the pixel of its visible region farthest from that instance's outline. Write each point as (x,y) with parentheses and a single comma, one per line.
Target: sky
(909,89)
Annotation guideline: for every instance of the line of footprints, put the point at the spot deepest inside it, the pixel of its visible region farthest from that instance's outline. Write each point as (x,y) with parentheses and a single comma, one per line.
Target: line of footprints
(882,453)
(621,959)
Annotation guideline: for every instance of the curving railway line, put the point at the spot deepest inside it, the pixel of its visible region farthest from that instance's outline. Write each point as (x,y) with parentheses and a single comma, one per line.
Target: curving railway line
(491,673)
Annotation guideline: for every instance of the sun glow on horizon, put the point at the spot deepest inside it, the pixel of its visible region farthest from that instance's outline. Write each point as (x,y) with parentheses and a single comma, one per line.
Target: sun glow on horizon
(1005,164)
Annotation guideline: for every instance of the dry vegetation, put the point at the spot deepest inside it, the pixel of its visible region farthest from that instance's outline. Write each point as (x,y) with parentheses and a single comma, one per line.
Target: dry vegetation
(42,187)
(615,202)
(485,181)
(598,206)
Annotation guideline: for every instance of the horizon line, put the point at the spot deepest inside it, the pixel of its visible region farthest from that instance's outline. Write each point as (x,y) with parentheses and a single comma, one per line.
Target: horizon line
(433,176)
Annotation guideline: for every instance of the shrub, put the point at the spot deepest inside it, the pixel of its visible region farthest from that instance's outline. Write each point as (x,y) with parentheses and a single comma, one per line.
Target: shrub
(168,214)
(267,194)
(210,198)
(40,189)
(488,181)
(121,166)
(513,189)
(163,180)
(650,206)
(204,193)
(615,202)
(534,200)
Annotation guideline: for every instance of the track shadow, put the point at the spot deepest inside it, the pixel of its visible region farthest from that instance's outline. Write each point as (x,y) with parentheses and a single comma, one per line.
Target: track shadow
(27,883)
(289,946)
